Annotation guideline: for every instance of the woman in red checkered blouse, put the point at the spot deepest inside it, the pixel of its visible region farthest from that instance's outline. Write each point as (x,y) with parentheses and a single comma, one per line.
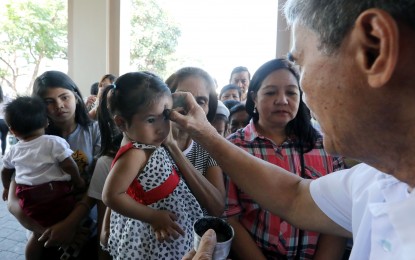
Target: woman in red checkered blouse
(279,132)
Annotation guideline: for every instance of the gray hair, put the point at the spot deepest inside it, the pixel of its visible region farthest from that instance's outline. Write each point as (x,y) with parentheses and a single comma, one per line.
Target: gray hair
(333,19)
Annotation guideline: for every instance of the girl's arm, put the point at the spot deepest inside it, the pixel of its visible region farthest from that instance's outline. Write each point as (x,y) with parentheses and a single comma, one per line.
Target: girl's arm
(209,191)
(105,227)
(103,223)
(114,195)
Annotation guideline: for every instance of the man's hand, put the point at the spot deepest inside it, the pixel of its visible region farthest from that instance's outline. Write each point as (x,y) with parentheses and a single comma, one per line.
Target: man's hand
(206,247)
(189,116)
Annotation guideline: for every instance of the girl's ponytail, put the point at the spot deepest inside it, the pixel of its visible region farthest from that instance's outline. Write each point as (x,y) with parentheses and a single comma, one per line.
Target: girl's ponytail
(110,134)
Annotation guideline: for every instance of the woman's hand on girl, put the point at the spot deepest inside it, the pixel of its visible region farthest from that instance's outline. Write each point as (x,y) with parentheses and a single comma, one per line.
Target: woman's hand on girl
(165,226)
(58,235)
(170,141)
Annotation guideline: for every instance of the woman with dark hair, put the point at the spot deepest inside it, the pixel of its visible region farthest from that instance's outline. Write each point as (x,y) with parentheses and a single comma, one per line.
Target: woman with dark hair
(200,84)
(66,109)
(68,118)
(4,129)
(279,132)
(210,194)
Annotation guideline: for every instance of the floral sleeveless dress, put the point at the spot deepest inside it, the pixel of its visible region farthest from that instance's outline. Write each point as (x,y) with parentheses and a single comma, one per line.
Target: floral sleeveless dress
(158,186)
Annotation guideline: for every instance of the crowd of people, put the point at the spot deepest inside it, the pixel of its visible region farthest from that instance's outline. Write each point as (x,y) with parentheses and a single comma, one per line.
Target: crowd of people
(125,172)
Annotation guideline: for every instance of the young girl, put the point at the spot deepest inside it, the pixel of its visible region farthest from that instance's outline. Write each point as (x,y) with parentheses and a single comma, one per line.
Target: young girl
(152,208)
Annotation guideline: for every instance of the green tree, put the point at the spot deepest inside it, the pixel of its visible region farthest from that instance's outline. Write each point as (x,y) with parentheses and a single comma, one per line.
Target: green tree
(30,32)
(154,37)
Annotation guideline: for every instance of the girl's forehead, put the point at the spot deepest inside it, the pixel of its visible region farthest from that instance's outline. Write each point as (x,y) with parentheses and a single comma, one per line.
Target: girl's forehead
(55,91)
(157,104)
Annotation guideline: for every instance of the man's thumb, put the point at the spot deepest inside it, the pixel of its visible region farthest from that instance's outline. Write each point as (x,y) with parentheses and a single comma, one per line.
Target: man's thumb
(207,243)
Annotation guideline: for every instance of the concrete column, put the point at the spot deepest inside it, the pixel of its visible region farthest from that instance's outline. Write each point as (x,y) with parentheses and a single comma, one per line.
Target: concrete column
(87,41)
(97,46)
(283,33)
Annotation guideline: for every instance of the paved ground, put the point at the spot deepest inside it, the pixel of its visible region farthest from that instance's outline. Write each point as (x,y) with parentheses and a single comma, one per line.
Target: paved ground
(12,234)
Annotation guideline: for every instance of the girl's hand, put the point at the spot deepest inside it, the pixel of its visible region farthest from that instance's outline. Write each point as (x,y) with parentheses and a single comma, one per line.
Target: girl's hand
(165,226)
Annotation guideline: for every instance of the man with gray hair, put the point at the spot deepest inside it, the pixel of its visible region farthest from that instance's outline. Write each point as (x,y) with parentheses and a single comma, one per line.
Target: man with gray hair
(357,72)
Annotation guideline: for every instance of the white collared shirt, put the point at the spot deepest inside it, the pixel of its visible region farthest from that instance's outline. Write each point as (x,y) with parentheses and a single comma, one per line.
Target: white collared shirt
(376,207)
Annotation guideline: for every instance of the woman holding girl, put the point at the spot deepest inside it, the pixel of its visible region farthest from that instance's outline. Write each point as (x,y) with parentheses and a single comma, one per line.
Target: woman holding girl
(152,208)
(68,118)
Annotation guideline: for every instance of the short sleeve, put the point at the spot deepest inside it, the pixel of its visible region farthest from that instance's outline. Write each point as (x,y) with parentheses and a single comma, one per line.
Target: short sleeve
(332,194)
(60,148)
(96,138)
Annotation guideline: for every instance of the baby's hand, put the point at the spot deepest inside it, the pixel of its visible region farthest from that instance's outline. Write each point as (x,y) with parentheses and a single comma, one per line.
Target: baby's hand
(5,194)
(165,226)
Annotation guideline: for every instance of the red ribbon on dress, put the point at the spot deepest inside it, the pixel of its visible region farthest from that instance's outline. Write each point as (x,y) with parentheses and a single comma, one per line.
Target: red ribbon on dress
(136,191)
